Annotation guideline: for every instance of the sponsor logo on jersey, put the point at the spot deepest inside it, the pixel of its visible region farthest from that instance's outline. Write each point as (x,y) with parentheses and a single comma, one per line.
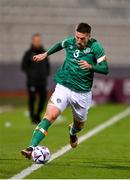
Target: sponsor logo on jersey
(87,50)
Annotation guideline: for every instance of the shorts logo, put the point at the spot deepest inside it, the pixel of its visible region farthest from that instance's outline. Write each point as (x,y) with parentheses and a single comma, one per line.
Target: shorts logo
(58,100)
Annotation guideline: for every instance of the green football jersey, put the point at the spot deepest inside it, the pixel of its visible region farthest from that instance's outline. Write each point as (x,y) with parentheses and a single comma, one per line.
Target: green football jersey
(70,73)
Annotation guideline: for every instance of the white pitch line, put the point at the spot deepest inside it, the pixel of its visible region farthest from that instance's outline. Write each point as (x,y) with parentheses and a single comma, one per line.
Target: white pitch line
(66,148)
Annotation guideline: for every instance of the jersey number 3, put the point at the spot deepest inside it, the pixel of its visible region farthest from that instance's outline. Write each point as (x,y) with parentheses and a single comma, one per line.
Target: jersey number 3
(76,53)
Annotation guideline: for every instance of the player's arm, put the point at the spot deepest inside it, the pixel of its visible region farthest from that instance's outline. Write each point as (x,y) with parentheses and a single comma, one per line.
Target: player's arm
(55,48)
(102,65)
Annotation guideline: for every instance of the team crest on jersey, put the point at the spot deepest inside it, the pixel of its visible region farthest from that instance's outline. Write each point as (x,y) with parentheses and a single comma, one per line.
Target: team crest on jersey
(87,50)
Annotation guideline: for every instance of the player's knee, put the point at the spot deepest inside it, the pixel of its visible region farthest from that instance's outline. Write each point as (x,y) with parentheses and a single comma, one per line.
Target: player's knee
(52,115)
(52,112)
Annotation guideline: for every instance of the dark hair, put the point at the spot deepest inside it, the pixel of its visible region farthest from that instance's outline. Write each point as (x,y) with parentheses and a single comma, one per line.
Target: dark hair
(83,28)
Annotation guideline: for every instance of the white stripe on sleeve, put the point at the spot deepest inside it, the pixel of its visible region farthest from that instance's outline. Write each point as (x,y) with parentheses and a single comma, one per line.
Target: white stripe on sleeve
(101,59)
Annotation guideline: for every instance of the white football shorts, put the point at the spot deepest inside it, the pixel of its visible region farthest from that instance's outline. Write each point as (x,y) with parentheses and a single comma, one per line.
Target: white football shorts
(79,102)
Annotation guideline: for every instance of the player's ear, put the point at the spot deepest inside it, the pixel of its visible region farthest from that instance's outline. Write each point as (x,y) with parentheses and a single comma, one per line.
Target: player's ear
(89,35)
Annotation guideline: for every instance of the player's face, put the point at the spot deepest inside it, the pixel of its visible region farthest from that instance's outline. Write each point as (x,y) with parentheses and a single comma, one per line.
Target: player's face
(36,41)
(81,39)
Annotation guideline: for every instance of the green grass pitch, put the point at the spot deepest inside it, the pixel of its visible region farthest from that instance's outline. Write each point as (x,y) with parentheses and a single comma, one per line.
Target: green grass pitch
(105,155)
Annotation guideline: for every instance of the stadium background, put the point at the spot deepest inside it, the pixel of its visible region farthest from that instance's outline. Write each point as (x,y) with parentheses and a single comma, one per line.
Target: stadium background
(110,20)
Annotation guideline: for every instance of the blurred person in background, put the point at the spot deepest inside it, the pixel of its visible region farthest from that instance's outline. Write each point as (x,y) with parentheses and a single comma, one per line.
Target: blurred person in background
(36,74)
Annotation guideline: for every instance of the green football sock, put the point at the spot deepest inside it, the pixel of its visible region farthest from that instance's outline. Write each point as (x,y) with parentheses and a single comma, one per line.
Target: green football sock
(74,130)
(40,132)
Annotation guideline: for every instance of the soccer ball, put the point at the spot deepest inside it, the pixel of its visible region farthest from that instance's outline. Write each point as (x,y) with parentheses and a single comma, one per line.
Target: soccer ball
(41,154)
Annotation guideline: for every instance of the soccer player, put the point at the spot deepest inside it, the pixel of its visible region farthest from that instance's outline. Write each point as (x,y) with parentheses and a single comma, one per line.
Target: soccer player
(84,57)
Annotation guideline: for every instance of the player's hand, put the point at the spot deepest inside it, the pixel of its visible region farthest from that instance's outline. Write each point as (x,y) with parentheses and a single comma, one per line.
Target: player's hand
(40,57)
(84,65)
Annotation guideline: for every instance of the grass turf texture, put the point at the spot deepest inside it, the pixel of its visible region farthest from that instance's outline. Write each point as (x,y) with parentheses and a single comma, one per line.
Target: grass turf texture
(106,155)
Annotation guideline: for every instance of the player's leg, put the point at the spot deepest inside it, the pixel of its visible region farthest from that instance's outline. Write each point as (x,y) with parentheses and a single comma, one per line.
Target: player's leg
(41,130)
(58,102)
(80,104)
(74,128)
(51,114)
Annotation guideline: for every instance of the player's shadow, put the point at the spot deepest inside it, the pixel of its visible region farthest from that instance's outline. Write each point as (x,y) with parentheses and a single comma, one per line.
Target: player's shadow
(106,164)
(11,159)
